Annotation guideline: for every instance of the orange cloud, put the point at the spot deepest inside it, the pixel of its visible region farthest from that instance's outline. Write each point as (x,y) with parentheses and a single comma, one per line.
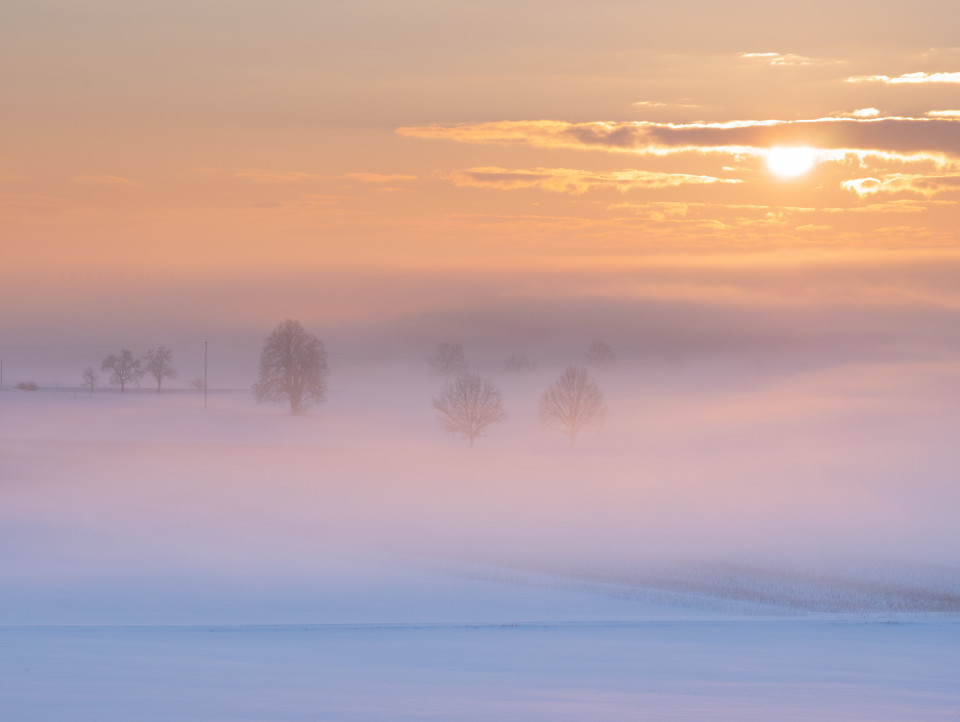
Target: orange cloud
(567,180)
(926,185)
(907,78)
(935,139)
(658,104)
(779,58)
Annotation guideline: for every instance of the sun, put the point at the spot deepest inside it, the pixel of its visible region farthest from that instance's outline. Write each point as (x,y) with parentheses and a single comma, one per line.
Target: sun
(789,161)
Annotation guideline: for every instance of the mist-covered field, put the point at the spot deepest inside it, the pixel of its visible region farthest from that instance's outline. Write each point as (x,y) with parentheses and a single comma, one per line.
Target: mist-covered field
(739,542)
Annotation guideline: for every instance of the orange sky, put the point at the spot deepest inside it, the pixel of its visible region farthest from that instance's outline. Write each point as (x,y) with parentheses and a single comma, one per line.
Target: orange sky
(162,144)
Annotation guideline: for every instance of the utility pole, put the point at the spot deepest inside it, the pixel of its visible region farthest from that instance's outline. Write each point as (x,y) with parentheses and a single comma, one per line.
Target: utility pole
(1,373)
(204,374)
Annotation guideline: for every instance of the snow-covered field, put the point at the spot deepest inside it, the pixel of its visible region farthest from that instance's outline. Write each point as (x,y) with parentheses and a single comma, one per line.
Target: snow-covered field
(745,670)
(766,548)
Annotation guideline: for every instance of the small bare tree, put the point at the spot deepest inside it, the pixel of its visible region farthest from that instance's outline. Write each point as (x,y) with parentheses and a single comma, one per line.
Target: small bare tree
(448,360)
(123,369)
(293,368)
(573,404)
(517,363)
(468,405)
(158,362)
(600,354)
(197,384)
(89,379)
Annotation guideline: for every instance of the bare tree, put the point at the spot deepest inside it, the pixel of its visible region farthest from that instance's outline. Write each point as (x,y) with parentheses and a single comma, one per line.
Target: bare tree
(468,405)
(293,368)
(600,354)
(89,379)
(518,363)
(197,384)
(573,404)
(448,359)
(158,362)
(123,369)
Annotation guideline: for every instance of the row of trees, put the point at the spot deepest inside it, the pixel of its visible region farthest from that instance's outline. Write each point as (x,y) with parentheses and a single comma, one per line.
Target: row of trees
(293,370)
(125,368)
(450,360)
(470,404)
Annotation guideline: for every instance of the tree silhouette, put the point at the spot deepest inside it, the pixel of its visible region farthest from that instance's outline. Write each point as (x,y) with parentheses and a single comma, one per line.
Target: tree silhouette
(293,368)
(468,405)
(573,404)
(158,362)
(123,369)
(89,379)
(448,359)
(518,363)
(600,354)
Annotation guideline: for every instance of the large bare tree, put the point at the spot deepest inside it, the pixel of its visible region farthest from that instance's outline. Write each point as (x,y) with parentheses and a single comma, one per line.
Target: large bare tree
(467,405)
(123,369)
(573,404)
(293,368)
(158,362)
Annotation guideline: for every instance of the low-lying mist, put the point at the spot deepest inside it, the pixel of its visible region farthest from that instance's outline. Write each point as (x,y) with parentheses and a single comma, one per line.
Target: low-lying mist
(826,488)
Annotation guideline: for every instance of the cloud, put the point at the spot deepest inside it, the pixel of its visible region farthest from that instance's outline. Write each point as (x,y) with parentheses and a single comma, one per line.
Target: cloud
(943,113)
(926,185)
(902,205)
(256,176)
(742,215)
(907,139)
(659,104)
(109,180)
(380,177)
(779,58)
(907,78)
(567,180)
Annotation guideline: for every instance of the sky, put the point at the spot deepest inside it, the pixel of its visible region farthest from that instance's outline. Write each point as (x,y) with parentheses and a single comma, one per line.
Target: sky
(212,167)
(754,203)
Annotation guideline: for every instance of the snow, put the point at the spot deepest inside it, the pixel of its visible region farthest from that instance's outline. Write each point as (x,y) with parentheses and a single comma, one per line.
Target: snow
(164,561)
(652,671)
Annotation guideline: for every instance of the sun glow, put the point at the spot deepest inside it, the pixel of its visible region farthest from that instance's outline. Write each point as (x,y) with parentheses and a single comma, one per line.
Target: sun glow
(790,161)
